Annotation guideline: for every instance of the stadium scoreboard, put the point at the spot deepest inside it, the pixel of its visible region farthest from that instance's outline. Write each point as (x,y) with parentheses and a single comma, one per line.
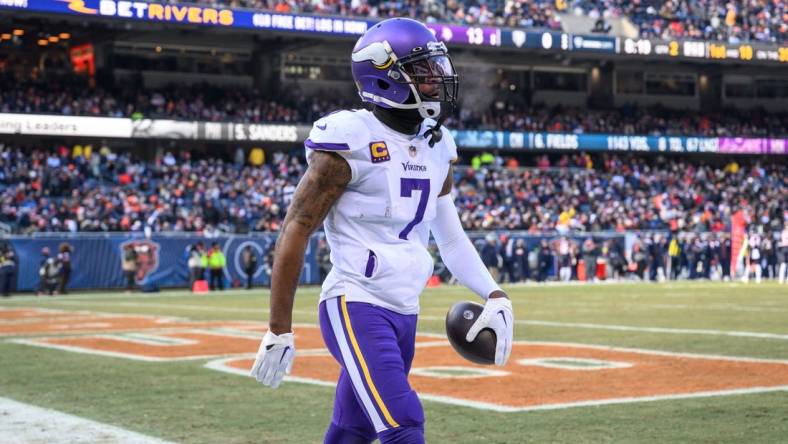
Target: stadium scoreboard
(480,36)
(704,50)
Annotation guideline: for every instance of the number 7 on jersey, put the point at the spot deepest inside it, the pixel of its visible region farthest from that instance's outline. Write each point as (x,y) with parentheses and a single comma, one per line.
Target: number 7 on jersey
(407,186)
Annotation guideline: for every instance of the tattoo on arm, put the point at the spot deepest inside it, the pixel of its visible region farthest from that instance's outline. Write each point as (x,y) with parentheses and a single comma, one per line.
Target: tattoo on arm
(448,183)
(323,183)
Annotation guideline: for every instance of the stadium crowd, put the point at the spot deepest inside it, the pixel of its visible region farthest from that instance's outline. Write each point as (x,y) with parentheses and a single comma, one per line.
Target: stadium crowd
(78,189)
(69,96)
(616,193)
(730,20)
(577,216)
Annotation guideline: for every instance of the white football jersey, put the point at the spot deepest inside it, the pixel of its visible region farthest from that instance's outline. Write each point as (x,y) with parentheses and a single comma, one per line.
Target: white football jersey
(378,230)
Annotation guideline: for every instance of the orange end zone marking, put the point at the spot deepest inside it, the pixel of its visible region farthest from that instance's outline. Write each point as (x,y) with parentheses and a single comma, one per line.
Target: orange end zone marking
(36,321)
(650,376)
(539,375)
(173,345)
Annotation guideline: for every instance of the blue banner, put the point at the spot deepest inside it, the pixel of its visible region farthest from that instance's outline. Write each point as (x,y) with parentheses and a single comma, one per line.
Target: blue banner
(162,260)
(194,15)
(617,142)
(191,14)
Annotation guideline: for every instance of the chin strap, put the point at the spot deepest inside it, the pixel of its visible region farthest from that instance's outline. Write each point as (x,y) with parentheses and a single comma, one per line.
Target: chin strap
(434,133)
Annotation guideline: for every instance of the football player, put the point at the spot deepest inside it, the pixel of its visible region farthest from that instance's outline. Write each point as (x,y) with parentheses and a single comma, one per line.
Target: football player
(379,181)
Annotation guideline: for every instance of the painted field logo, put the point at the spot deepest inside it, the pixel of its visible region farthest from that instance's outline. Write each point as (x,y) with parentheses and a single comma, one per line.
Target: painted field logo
(539,376)
(544,376)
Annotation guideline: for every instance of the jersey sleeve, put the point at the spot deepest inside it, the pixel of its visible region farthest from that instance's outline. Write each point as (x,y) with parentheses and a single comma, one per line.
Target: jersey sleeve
(344,133)
(451,146)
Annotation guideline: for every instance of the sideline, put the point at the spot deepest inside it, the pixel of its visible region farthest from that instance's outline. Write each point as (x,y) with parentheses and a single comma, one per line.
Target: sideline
(27,424)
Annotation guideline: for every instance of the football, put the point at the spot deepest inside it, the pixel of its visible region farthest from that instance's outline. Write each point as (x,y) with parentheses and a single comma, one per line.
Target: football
(459,320)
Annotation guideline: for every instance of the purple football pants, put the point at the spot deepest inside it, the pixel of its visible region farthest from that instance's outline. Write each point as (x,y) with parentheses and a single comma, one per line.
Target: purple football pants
(375,347)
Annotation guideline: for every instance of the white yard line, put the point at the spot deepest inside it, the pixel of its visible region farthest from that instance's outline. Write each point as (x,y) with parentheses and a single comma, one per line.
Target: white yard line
(614,327)
(534,322)
(22,423)
(679,331)
(185,307)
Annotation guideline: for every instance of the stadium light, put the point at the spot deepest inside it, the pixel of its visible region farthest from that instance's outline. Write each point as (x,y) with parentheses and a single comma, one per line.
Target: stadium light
(19,32)
(5,36)
(64,36)
(54,39)
(43,42)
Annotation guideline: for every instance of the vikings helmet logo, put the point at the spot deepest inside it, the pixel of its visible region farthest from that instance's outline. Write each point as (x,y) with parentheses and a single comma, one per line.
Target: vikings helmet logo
(379,53)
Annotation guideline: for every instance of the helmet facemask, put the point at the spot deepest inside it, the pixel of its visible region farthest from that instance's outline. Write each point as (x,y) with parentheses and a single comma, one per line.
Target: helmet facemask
(431,77)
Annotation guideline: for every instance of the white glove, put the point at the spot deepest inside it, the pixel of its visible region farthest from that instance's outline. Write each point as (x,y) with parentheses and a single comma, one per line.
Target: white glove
(497,315)
(274,358)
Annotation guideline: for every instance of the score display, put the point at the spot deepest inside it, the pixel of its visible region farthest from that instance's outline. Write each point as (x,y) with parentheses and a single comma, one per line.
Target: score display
(466,35)
(742,52)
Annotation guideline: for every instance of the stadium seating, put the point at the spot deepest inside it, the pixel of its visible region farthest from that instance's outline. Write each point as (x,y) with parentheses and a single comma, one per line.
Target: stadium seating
(71,96)
(731,21)
(68,190)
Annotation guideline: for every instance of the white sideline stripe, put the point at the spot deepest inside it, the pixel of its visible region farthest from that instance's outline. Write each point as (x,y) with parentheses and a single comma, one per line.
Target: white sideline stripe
(26,424)
(677,331)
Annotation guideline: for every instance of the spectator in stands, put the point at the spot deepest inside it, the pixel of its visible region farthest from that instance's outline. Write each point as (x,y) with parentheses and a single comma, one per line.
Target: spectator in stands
(73,96)
(733,21)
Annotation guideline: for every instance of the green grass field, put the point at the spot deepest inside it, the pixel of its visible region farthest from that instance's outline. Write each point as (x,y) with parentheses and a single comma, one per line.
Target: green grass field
(185,402)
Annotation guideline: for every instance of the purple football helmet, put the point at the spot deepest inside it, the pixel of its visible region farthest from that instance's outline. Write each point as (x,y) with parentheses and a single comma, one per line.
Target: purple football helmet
(398,63)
